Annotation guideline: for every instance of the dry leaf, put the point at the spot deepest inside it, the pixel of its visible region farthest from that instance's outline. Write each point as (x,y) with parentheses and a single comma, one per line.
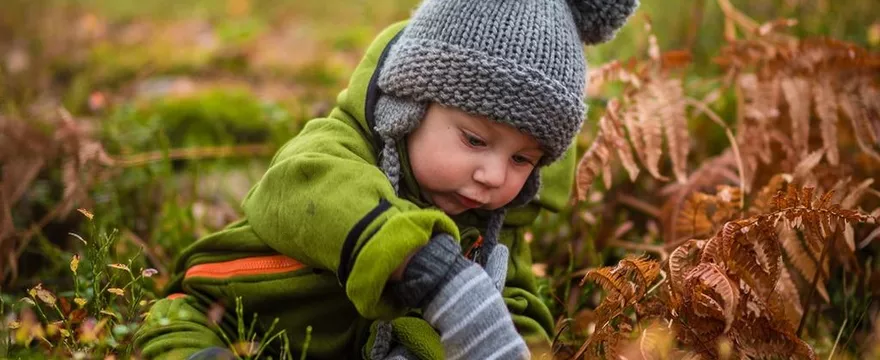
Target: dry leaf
(116,291)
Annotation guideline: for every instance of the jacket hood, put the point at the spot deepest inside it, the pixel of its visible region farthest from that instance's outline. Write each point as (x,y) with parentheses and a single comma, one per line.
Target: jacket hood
(359,99)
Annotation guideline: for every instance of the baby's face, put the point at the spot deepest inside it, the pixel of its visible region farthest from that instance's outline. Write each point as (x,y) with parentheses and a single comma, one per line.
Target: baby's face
(462,161)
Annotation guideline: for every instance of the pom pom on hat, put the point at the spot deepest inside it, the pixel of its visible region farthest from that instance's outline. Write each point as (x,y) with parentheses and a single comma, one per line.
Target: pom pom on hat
(598,20)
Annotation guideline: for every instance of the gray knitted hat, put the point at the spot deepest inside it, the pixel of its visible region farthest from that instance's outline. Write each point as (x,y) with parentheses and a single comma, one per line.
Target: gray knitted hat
(518,62)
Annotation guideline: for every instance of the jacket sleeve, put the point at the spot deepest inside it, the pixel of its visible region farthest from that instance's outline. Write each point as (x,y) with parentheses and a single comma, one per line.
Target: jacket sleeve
(324,202)
(175,329)
(530,314)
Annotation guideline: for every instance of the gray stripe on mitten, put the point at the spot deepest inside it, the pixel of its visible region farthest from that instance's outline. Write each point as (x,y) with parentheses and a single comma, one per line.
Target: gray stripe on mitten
(473,320)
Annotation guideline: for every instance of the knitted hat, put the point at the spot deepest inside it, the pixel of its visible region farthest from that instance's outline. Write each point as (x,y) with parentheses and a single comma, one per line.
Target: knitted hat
(517,62)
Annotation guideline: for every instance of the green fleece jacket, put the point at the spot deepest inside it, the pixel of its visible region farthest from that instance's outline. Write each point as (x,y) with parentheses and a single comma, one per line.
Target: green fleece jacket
(323,231)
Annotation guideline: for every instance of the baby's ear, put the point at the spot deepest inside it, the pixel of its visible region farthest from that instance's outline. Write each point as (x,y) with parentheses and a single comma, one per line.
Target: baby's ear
(598,20)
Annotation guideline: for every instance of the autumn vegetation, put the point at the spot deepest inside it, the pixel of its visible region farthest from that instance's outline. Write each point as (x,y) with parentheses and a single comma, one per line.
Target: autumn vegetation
(725,203)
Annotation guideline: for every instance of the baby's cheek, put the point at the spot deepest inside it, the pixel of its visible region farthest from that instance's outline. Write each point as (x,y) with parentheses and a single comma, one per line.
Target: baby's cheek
(508,193)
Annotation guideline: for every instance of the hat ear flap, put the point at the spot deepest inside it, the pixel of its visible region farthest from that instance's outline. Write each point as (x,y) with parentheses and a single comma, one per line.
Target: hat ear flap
(598,20)
(396,117)
(529,190)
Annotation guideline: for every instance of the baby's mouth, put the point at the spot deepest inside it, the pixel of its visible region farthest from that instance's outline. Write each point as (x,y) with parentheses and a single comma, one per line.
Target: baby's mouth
(468,202)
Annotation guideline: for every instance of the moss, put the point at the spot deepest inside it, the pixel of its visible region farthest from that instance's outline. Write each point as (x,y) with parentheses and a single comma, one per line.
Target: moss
(111,64)
(206,118)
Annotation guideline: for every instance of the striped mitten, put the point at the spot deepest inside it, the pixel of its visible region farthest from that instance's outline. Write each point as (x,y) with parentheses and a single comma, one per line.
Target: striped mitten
(459,299)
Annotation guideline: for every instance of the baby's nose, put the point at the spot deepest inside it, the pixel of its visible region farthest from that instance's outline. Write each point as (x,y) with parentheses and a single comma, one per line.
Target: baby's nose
(492,174)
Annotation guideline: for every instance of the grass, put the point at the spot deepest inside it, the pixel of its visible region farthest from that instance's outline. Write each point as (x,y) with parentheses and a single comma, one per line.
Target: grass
(219,74)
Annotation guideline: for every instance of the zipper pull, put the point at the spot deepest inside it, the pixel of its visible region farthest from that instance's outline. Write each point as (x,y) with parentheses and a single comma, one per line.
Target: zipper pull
(474,250)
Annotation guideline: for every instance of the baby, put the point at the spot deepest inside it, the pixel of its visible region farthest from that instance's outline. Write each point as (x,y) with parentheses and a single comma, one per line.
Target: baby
(358,227)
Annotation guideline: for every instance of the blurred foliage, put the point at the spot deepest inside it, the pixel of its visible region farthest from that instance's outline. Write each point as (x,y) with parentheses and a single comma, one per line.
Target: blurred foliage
(147,79)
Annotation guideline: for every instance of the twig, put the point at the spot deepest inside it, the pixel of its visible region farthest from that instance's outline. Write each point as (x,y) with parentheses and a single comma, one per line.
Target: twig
(657,285)
(732,13)
(657,249)
(733,145)
(154,258)
(194,153)
(639,205)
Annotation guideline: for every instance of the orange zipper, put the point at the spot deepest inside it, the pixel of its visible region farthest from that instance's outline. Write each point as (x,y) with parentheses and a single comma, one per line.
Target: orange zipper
(259,265)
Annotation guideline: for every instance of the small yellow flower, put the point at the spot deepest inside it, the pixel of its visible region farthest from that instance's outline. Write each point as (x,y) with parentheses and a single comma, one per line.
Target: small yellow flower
(51,329)
(87,213)
(65,333)
(15,325)
(74,263)
(116,291)
(80,301)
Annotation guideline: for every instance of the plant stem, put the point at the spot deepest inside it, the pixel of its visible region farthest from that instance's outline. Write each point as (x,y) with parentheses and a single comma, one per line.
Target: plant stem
(837,340)
(656,249)
(639,205)
(813,288)
(194,153)
(733,145)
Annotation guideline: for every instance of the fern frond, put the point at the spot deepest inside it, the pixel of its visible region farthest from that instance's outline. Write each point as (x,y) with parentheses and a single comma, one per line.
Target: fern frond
(714,277)
(761,337)
(646,269)
(609,278)
(604,343)
(644,121)
(804,263)
(852,104)
(597,157)
(674,119)
(766,244)
(655,342)
(743,261)
(681,261)
(764,200)
(652,307)
(759,107)
(614,132)
(796,91)
(826,109)
(727,201)
(693,219)
(855,194)
(786,288)
(713,251)
(869,101)
(590,165)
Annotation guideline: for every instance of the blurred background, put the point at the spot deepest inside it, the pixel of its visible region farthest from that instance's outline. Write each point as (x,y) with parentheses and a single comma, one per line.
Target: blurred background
(157,116)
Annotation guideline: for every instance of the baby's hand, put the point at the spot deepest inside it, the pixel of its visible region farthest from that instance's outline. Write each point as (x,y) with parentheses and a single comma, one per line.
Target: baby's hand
(461,301)
(496,265)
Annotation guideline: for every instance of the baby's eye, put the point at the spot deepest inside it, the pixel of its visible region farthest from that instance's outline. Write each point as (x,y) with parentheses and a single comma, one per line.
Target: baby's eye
(519,159)
(473,140)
